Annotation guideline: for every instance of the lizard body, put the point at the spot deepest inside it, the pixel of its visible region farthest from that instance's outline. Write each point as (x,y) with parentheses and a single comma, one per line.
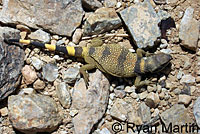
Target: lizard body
(112,59)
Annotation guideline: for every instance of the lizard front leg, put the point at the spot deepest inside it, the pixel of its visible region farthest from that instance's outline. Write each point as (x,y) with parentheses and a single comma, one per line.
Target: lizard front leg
(139,83)
(141,53)
(83,70)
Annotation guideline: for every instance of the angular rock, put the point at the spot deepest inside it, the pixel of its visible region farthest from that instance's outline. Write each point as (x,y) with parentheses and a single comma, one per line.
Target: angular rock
(102,20)
(110,3)
(40,36)
(37,63)
(177,115)
(196,111)
(142,22)
(11,62)
(123,111)
(91,4)
(152,100)
(189,79)
(50,72)
(33,113)
(63,94)
(91,103)
(184,99)
(4,111)
(119,93)
(38,84)
(77,36)
(71,74)
(43,14)
(29,74)
(26,91)
(160,1)
(189,25)
(144,112)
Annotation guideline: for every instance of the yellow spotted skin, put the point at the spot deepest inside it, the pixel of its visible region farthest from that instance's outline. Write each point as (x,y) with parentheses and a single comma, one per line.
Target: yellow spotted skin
(111,59)
(115,60)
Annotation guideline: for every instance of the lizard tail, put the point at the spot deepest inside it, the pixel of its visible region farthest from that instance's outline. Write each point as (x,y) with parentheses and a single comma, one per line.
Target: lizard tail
(68,50)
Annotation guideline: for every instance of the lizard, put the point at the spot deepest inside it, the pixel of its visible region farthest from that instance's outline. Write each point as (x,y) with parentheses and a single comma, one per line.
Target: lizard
(112,59)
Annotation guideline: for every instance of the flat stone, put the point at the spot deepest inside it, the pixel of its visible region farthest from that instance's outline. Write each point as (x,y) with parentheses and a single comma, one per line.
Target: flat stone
(39,84)
(102,20)
(77,36)
(12,60)
(33,113)
(23,28)
(152,100)
(110,3)
(160,1)
(142,22)
(71,74)
(4,111)
(184,99)
(26,91)
(50,72)
(40,36)
(63,94)
(196,111)
(29,74)
(144,112)
(68,12)
(91,102)
(177,115)
(37,63)
(91,4)
(187,79)
(189,25)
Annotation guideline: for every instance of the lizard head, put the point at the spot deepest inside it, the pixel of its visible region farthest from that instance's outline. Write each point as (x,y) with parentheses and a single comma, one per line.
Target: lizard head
(157,62)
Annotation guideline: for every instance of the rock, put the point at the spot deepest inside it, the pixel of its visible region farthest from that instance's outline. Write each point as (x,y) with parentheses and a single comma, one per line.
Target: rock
(91,4)
(142,22)
(38,84)
(91,103)
(50,72)
(123,111)
(189,79)
(176,115)
(40,36)
(68,12)
(143,95)
(26,91)
(152,100)
(37,63)
(77,36)
(184,99)
(160,1)
(196,111)
(104,131)
(33,113)
(119,93)
(12,60)
(73,112)
(189,25)
(23,28)
(177,91)
(29,74)
(102,20)
(167,51)
(172,2)
(63,94)
(110,3)
(71,74)
(4,111)
(144,112)
(129,89)
(180,74)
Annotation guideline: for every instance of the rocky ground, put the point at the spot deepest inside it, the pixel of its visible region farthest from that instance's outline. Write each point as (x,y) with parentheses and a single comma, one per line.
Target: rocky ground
(42,91)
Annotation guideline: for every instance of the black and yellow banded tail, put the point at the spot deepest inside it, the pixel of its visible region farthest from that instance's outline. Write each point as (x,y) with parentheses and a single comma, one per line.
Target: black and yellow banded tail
(68,50)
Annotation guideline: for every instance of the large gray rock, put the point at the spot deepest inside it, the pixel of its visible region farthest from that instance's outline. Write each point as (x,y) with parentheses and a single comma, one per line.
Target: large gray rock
(142,22)
(33,113)
(11,62)
(176,115)
(191,26)
(60,17)
(102,20)
(196,111)
(91,102)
